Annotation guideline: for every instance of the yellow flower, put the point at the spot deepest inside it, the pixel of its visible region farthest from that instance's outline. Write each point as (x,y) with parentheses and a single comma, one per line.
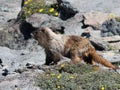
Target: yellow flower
(59,76)
(29,0)
(47,75)
(58,86)
(111,15)
(51,10)
(25,8)
(29,12)
(40,10)
(26,2)
(56,14)
(62,65)
(31,4)
(102,88)
(72,77)
(52,74)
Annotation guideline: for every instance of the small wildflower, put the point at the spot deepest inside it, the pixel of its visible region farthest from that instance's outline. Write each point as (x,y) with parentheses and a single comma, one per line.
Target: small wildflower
(62,65)
(111,15)
(29,0)
(26,2)
(40,10)
(29,12)
(47,75)
(58,86)
(72,77)
(56,5)
(51,10)
(25,8)
(52,74)
(59,76)
(102,88)
(31,4)
(56,14)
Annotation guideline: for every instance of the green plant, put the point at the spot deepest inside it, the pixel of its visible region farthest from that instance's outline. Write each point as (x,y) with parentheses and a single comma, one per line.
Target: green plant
(77,68)
(96,80)
(114,16)
(36,6)
(81,77)
(117,19)
(55,81)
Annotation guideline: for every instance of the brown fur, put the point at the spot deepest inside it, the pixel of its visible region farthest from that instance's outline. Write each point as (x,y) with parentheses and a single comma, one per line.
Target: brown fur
(74,47)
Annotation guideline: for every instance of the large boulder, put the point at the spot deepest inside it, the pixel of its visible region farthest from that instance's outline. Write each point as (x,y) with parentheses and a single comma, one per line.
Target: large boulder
(70,26)
(11,37)
(95,19)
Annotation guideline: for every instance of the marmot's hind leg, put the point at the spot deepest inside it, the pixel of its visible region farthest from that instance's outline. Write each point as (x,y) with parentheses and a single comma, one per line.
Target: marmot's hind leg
(74,56)
(88,59)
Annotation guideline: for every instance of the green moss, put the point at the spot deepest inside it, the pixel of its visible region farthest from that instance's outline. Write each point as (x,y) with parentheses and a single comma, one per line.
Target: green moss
(95,80)
(55,81)
(77,68)
(78,77)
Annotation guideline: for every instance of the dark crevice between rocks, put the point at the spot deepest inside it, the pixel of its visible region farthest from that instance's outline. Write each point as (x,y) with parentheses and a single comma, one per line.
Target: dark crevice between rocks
(114,41)
(26,29)
(5,72)
(1,63)
(86,25)
(98,46)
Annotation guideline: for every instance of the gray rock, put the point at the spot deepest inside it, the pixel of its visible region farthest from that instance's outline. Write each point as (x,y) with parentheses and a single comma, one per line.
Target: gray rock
(65,9)
(111,56)
(71,26)
(110,28)
(11,37)
(40,20)
(95,19)
(9,9)
(25,81)
(12,59)
(96,5)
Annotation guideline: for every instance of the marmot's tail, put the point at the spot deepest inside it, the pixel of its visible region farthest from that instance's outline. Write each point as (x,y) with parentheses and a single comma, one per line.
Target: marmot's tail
(100,59)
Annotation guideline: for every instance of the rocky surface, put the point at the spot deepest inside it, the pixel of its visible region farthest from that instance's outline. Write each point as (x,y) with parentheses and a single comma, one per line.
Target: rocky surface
(9,9)
(90,6)
(17,54)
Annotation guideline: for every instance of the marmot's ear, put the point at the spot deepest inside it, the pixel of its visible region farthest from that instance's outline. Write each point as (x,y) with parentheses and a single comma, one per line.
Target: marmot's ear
(51,28)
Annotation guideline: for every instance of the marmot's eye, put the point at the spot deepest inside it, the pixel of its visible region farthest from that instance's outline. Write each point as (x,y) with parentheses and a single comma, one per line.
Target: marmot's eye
(42,30)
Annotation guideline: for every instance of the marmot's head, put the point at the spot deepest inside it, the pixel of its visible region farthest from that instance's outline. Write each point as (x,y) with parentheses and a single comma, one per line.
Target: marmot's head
(43,35)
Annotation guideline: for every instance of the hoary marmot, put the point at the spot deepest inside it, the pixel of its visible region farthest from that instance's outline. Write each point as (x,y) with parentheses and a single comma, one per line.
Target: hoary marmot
(76,48)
